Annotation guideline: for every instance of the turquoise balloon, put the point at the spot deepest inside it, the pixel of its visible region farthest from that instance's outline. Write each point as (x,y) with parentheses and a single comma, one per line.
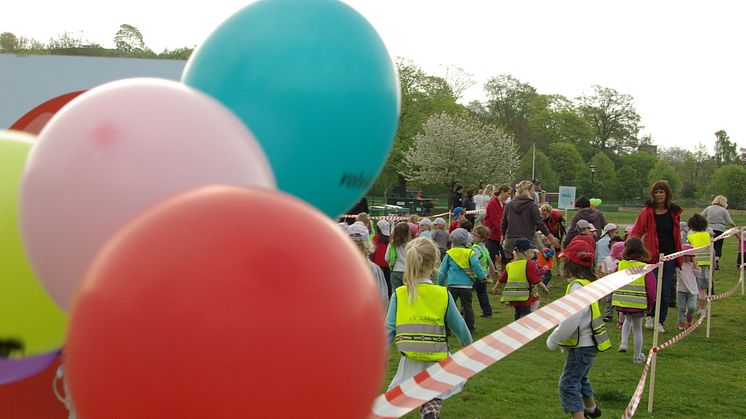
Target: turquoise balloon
(315,84)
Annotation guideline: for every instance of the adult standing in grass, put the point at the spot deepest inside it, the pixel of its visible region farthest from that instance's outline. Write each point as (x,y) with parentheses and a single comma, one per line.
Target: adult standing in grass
(718,218)
(585,212)
(658,226)
(493,220)
(521,219)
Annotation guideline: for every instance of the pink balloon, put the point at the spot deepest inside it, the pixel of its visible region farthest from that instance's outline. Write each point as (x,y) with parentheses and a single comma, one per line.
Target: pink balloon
(115,151)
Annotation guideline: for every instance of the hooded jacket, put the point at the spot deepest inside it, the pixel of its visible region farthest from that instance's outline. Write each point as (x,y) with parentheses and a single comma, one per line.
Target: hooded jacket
(521,218)
(589,214)
(645,228)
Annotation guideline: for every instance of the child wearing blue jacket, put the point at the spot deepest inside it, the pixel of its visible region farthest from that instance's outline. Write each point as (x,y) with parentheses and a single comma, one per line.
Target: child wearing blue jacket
(459,270)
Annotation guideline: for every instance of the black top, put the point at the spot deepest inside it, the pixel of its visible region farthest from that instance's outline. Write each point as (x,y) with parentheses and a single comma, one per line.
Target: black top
(664,228)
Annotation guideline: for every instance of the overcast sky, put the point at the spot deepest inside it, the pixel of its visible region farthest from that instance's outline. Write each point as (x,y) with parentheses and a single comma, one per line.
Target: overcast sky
(682,61)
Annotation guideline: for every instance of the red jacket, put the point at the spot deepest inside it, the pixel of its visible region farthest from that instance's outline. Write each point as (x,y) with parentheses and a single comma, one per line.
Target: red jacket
(645,228)
(493,218)
(379,255)
(555,223)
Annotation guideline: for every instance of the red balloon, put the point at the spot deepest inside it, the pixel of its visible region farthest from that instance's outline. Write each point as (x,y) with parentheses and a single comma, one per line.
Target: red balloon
(226,302)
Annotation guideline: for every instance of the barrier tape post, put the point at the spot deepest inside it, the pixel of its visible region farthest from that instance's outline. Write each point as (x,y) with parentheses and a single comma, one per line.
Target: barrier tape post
(710,287)
(743,253)
(659,288)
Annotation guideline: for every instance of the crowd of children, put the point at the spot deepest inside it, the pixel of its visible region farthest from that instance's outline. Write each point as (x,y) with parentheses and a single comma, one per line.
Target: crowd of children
(423,270)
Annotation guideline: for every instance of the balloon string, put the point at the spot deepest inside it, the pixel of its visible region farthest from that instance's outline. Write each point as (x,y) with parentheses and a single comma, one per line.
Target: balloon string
(64,399)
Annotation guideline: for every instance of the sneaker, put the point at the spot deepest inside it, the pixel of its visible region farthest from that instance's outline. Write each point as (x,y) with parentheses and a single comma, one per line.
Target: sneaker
(622,348)
(659,328)
(596,412)
(639,359)
(701,312)
(649,323)
(681,326)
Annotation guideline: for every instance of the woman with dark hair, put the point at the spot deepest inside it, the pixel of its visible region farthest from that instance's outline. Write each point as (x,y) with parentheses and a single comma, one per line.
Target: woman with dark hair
(470,205)
(658,226)
(588,213)
(719,220)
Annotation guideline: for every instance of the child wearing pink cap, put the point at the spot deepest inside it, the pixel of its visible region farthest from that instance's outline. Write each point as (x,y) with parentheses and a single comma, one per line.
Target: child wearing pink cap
(607,266)
(686,288)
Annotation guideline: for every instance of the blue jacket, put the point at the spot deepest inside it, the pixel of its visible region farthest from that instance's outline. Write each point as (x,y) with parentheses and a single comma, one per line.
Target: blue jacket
(452,275)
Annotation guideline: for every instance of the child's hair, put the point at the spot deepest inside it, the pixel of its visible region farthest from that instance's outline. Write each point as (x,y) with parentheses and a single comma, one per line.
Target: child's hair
(414,218)
(635,250)
(365,246)
(401,234)
(697,222)
(518,255)
(575,270)
(422,258)
(363,216)
(466,225)
(482,231)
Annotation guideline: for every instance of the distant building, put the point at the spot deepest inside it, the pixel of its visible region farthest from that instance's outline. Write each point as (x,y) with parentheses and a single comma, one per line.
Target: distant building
(649,148)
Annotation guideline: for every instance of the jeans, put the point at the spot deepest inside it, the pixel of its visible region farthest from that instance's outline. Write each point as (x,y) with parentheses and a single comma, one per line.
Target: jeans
(574,385)
(465,295)
(484,300)
(687,304)
(669,269)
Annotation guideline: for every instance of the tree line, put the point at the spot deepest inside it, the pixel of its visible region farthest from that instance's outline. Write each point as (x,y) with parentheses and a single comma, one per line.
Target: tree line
(128,42)
(592,141)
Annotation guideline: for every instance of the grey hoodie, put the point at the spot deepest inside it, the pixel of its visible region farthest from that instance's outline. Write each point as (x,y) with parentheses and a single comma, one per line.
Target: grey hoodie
(521,219)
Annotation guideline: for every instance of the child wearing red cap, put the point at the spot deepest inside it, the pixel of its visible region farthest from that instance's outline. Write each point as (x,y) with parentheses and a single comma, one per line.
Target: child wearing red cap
(582,335)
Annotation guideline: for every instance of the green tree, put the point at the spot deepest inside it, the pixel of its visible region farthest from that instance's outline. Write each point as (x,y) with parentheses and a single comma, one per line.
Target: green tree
(725,149)
(629,185)
(730,180)
(67,40)
(664,171)
(176,54)
(566,162)
(641,162)
(556,120)
(599,182)
(614,119)
(8,42)
(542,170)
(129,39)
(422,96)
(510,103)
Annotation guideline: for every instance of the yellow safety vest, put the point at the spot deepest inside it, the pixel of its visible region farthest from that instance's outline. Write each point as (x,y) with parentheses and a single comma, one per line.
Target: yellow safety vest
(517,287)
(483,258)
(461,256)
(699,239)
(600,337)
(632,295)
(421,326)
(392,256)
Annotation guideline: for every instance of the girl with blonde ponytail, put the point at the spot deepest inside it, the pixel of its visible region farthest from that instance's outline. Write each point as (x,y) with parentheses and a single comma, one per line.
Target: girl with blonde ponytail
(419,312)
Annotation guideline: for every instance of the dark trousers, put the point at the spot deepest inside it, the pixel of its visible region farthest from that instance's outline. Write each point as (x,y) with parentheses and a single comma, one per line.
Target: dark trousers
(387,274)
(521,311)
(669,269)
(718,245)
(464,294)
(495,249)
(484,300)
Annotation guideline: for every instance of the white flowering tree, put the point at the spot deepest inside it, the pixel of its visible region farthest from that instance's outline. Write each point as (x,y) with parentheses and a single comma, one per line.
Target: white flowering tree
(458,149)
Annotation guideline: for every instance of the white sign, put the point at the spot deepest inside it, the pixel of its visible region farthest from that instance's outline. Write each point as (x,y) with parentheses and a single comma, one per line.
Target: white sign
(566,199)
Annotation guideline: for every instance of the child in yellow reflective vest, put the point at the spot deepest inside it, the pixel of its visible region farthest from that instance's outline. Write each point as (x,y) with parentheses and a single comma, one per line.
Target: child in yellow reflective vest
(635,299)
(521,278)
(699,236)
(581,336)
(417,318)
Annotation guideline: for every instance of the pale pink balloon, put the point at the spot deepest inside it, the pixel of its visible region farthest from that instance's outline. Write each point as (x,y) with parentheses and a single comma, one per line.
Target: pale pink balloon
(113,152)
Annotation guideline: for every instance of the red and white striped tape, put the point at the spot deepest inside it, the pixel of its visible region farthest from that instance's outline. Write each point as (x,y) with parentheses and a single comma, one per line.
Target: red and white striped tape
(461,365)
(726,293)
(629,412)
(404,217)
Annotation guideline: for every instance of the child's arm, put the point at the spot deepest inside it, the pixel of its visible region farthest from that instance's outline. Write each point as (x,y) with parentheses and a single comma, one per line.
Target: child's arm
(391,320)
(501,280)
(567,327)
(443,271)
(388,250)
(456,323)
(532,272)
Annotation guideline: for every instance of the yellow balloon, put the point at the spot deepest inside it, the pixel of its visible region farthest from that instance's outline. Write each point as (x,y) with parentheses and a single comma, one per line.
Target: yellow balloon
(30,322)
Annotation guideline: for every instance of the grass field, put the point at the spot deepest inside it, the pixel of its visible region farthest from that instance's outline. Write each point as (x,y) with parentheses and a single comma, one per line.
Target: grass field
(697,377)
